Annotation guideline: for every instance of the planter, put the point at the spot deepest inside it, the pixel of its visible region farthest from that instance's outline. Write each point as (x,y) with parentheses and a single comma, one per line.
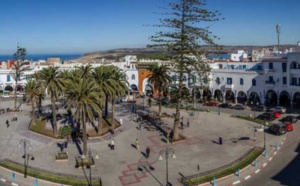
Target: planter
(61,156)
(89,162)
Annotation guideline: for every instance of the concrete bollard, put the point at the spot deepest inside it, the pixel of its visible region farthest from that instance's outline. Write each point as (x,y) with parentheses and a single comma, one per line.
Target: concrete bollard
(214,181)
(265,153)
(255,163)
(13,175)
(276,145)
(36,183)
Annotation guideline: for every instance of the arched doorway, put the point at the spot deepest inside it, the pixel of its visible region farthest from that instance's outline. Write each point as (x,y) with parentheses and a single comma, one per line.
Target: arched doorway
(218,95)
(271,98)
(206,94)
(19,88)
(285,99)
(149,90)
(185,94)
(242,97)
(134,87)
(196,94)
(296,100)
(254,99)
(9,88)
(229,96)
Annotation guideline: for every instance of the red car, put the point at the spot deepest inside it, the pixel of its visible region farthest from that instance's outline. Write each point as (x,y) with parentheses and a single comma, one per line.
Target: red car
(276,114)
(211,104)
(289,126)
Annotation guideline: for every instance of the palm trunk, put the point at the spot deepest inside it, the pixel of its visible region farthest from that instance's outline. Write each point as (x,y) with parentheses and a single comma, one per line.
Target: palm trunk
(32,109)
(84,138)
(113,112)
(159,101)
(106,106)
(54,116)
(99,122)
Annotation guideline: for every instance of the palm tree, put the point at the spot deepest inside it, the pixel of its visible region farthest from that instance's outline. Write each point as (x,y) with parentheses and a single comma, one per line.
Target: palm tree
(32,89)
(83,93)
(19,66)
(160,78)
(120,86)
(102,77)
(84,71)
(53,83)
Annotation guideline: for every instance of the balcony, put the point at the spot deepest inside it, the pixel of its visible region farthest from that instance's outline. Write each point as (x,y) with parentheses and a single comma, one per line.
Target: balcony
(269,70)
(238,71)
(228,86)
(295,71)
(295,84)
(270,83)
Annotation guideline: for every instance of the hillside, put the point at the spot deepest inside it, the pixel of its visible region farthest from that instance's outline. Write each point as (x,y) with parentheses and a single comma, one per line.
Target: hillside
(116,54)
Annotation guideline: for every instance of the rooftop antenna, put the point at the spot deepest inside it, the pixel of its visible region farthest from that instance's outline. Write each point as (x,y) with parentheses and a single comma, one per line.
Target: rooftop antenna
(278,34)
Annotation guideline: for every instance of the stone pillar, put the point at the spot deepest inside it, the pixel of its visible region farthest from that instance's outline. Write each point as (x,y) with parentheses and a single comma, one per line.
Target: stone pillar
(291,104)
(278,101)
(235,100)
(224,94)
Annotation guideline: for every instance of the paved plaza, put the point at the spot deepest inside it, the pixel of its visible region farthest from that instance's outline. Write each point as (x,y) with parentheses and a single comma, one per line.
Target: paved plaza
(120,167)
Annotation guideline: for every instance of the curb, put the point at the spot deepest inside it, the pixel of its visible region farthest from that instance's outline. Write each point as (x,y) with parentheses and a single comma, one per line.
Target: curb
(260,168)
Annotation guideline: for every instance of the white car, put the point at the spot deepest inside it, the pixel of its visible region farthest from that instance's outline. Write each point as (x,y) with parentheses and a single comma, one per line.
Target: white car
(20,95)
(278,109)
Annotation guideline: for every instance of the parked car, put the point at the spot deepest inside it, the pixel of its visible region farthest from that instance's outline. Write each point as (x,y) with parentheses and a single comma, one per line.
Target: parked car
(282,110)
(211,104)
(288,126)
(291,119)
(277,115)
(259,108)
(268,116)
(278,128)
(238,107)
(5,96)
(225,105)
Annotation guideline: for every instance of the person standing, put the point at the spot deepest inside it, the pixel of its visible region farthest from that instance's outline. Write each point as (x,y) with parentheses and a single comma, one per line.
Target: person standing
(137,145)
(112,144)
(7,123)
(188,123)
(147,152)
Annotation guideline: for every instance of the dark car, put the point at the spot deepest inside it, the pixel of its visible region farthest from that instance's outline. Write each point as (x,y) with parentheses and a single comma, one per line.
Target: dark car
(291,119)
(238,107)
(225,105)
(268,116)
(211,104)
(259,108)
(278,129)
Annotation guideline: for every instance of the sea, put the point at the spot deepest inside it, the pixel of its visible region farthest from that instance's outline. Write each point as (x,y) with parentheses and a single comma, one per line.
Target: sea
(36,57)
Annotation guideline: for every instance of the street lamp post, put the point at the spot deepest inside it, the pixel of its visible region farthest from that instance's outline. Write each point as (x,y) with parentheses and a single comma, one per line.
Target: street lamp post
(26,144)
(265,146)
(167,152)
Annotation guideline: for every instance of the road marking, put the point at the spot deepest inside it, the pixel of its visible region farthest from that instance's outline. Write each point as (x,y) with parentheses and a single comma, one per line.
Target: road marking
(257,171)
(270,158)
(278,148)
(265,164)
(3,180)
(14,184)
(237,182)
(247,177)
(275,152)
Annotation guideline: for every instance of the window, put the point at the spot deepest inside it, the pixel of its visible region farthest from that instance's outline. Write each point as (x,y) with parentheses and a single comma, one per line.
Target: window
(283,67)
(270,65)
(174,77)
(184,78)
(132,77)
(218,80)
(229,81)
(241,81)
(253,82)
(271,79)
(284,80)
(205,80)
(8,78)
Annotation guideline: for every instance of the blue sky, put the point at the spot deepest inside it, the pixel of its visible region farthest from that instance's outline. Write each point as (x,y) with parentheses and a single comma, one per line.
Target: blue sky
(79,26)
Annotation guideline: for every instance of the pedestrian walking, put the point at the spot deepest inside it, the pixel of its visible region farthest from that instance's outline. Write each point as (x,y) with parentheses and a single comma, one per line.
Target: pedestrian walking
(137,145)
(188,123)
(181,124)
(112,144)
(7,123)
(147,152)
